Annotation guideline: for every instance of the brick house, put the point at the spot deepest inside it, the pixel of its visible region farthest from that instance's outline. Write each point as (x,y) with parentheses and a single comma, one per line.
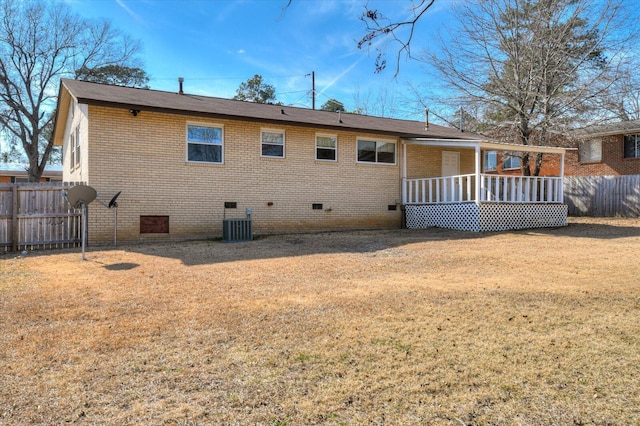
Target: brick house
(17,173)
(606,150)
(185,162)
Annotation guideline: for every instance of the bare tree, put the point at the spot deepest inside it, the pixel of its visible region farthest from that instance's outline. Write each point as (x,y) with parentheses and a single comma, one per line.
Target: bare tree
(10,153)
(382,103)
(41,41)
(534,66)
(622,100)
(379,26)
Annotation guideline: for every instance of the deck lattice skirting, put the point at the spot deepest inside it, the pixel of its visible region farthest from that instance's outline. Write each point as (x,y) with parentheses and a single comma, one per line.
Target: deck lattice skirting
(486,216)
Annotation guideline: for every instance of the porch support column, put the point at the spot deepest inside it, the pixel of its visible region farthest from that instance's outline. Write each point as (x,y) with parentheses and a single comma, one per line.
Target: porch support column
(404,173)
(561,198)
(479,181)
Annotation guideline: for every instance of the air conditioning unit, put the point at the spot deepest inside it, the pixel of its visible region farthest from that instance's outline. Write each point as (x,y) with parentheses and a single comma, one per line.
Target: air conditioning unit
(234,230)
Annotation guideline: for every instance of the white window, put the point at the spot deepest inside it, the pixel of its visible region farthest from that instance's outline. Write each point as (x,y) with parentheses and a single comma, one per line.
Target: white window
(510,160)
(326,147)
(272,143)
(72,145)
(376,151)
(204,143)
(490,161)
(77,163)
(631,146)
(590,151)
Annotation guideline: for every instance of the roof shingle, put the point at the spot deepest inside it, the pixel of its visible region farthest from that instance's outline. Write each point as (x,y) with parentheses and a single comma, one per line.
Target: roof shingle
(155,100)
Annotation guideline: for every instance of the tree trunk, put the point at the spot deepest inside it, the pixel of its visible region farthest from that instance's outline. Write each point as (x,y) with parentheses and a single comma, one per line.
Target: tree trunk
(526,171)
(536,172)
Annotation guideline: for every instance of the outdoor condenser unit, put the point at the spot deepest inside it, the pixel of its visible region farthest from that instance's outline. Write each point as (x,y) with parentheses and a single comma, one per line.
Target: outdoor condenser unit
(234,230)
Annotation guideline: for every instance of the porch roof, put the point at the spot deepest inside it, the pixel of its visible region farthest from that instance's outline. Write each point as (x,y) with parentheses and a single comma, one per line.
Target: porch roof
(483,144)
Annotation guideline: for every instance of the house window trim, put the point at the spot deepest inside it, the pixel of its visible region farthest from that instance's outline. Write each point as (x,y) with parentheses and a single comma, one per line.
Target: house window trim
(72,153)
(637,146)
(376,140)
(335,149)
(78,144)
(484,161)
(284,143)
(187,142)
(508,155)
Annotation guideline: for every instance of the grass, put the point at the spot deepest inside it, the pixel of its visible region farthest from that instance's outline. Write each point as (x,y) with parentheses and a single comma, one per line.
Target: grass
(392,327)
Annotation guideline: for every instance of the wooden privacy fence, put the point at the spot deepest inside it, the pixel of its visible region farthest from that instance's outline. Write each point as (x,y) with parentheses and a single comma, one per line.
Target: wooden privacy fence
(603,196)
(36,216)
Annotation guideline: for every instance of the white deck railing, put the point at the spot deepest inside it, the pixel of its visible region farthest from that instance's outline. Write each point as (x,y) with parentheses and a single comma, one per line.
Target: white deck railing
(493,188)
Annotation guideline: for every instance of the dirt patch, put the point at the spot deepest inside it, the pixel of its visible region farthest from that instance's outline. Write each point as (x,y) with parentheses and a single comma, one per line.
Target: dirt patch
(391,327)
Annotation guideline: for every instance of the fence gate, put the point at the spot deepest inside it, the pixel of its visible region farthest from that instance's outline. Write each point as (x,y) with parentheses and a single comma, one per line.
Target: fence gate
(36,216)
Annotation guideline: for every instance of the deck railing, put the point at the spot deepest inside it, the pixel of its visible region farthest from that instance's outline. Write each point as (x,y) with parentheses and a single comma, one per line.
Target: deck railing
(493,188)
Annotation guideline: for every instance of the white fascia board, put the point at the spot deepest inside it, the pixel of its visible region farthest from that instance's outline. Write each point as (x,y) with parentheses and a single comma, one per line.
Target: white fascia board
(483,144)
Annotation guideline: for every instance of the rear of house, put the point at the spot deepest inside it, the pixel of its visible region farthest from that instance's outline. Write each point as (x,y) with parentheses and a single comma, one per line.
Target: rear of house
(184,163)
(179,165)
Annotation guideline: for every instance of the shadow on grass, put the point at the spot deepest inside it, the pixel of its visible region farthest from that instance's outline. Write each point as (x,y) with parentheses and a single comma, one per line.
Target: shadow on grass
(121,266)
(373,243)
(605,231)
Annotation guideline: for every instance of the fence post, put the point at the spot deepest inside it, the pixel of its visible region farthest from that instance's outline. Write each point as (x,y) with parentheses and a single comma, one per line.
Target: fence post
(15,234)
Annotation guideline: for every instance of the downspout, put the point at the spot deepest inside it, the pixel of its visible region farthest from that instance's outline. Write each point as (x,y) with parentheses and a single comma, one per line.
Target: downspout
(479,182)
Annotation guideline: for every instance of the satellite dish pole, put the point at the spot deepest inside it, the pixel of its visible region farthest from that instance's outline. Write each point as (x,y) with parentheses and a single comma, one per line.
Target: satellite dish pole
(79,197)
(114,204)
(83,206)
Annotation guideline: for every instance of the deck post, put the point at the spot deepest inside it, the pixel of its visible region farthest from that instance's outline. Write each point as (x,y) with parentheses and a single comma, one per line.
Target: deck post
(404,173)
(561,192)
(479,182)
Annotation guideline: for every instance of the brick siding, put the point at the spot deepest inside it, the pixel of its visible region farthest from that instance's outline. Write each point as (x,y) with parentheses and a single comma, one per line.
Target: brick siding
(613,162)
(145,158)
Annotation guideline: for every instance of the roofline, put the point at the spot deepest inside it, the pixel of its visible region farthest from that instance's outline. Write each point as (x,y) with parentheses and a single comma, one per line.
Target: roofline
(192,113)
(609,133)
(484,144)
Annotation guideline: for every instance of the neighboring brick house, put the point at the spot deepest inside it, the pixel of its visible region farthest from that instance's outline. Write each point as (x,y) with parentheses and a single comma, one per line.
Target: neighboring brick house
(180,159)
(606,150)
(17,173)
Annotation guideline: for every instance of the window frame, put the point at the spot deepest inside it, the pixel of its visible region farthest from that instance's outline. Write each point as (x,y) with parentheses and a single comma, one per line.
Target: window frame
(284,143)
(377,142)
(78,157)
(495,161)
(508,156)
(636,143)
(335,148)
(72,144)
(187,142)
(590,150)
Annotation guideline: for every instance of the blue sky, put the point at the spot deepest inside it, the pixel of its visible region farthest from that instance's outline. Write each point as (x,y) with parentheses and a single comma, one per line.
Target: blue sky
(216,45)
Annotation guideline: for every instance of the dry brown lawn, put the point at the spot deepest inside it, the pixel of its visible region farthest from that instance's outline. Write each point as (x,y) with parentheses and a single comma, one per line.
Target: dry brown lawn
(379,327)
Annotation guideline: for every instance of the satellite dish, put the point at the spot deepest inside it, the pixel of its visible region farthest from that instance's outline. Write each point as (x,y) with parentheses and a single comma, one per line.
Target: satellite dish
(113,202)
(81,194)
